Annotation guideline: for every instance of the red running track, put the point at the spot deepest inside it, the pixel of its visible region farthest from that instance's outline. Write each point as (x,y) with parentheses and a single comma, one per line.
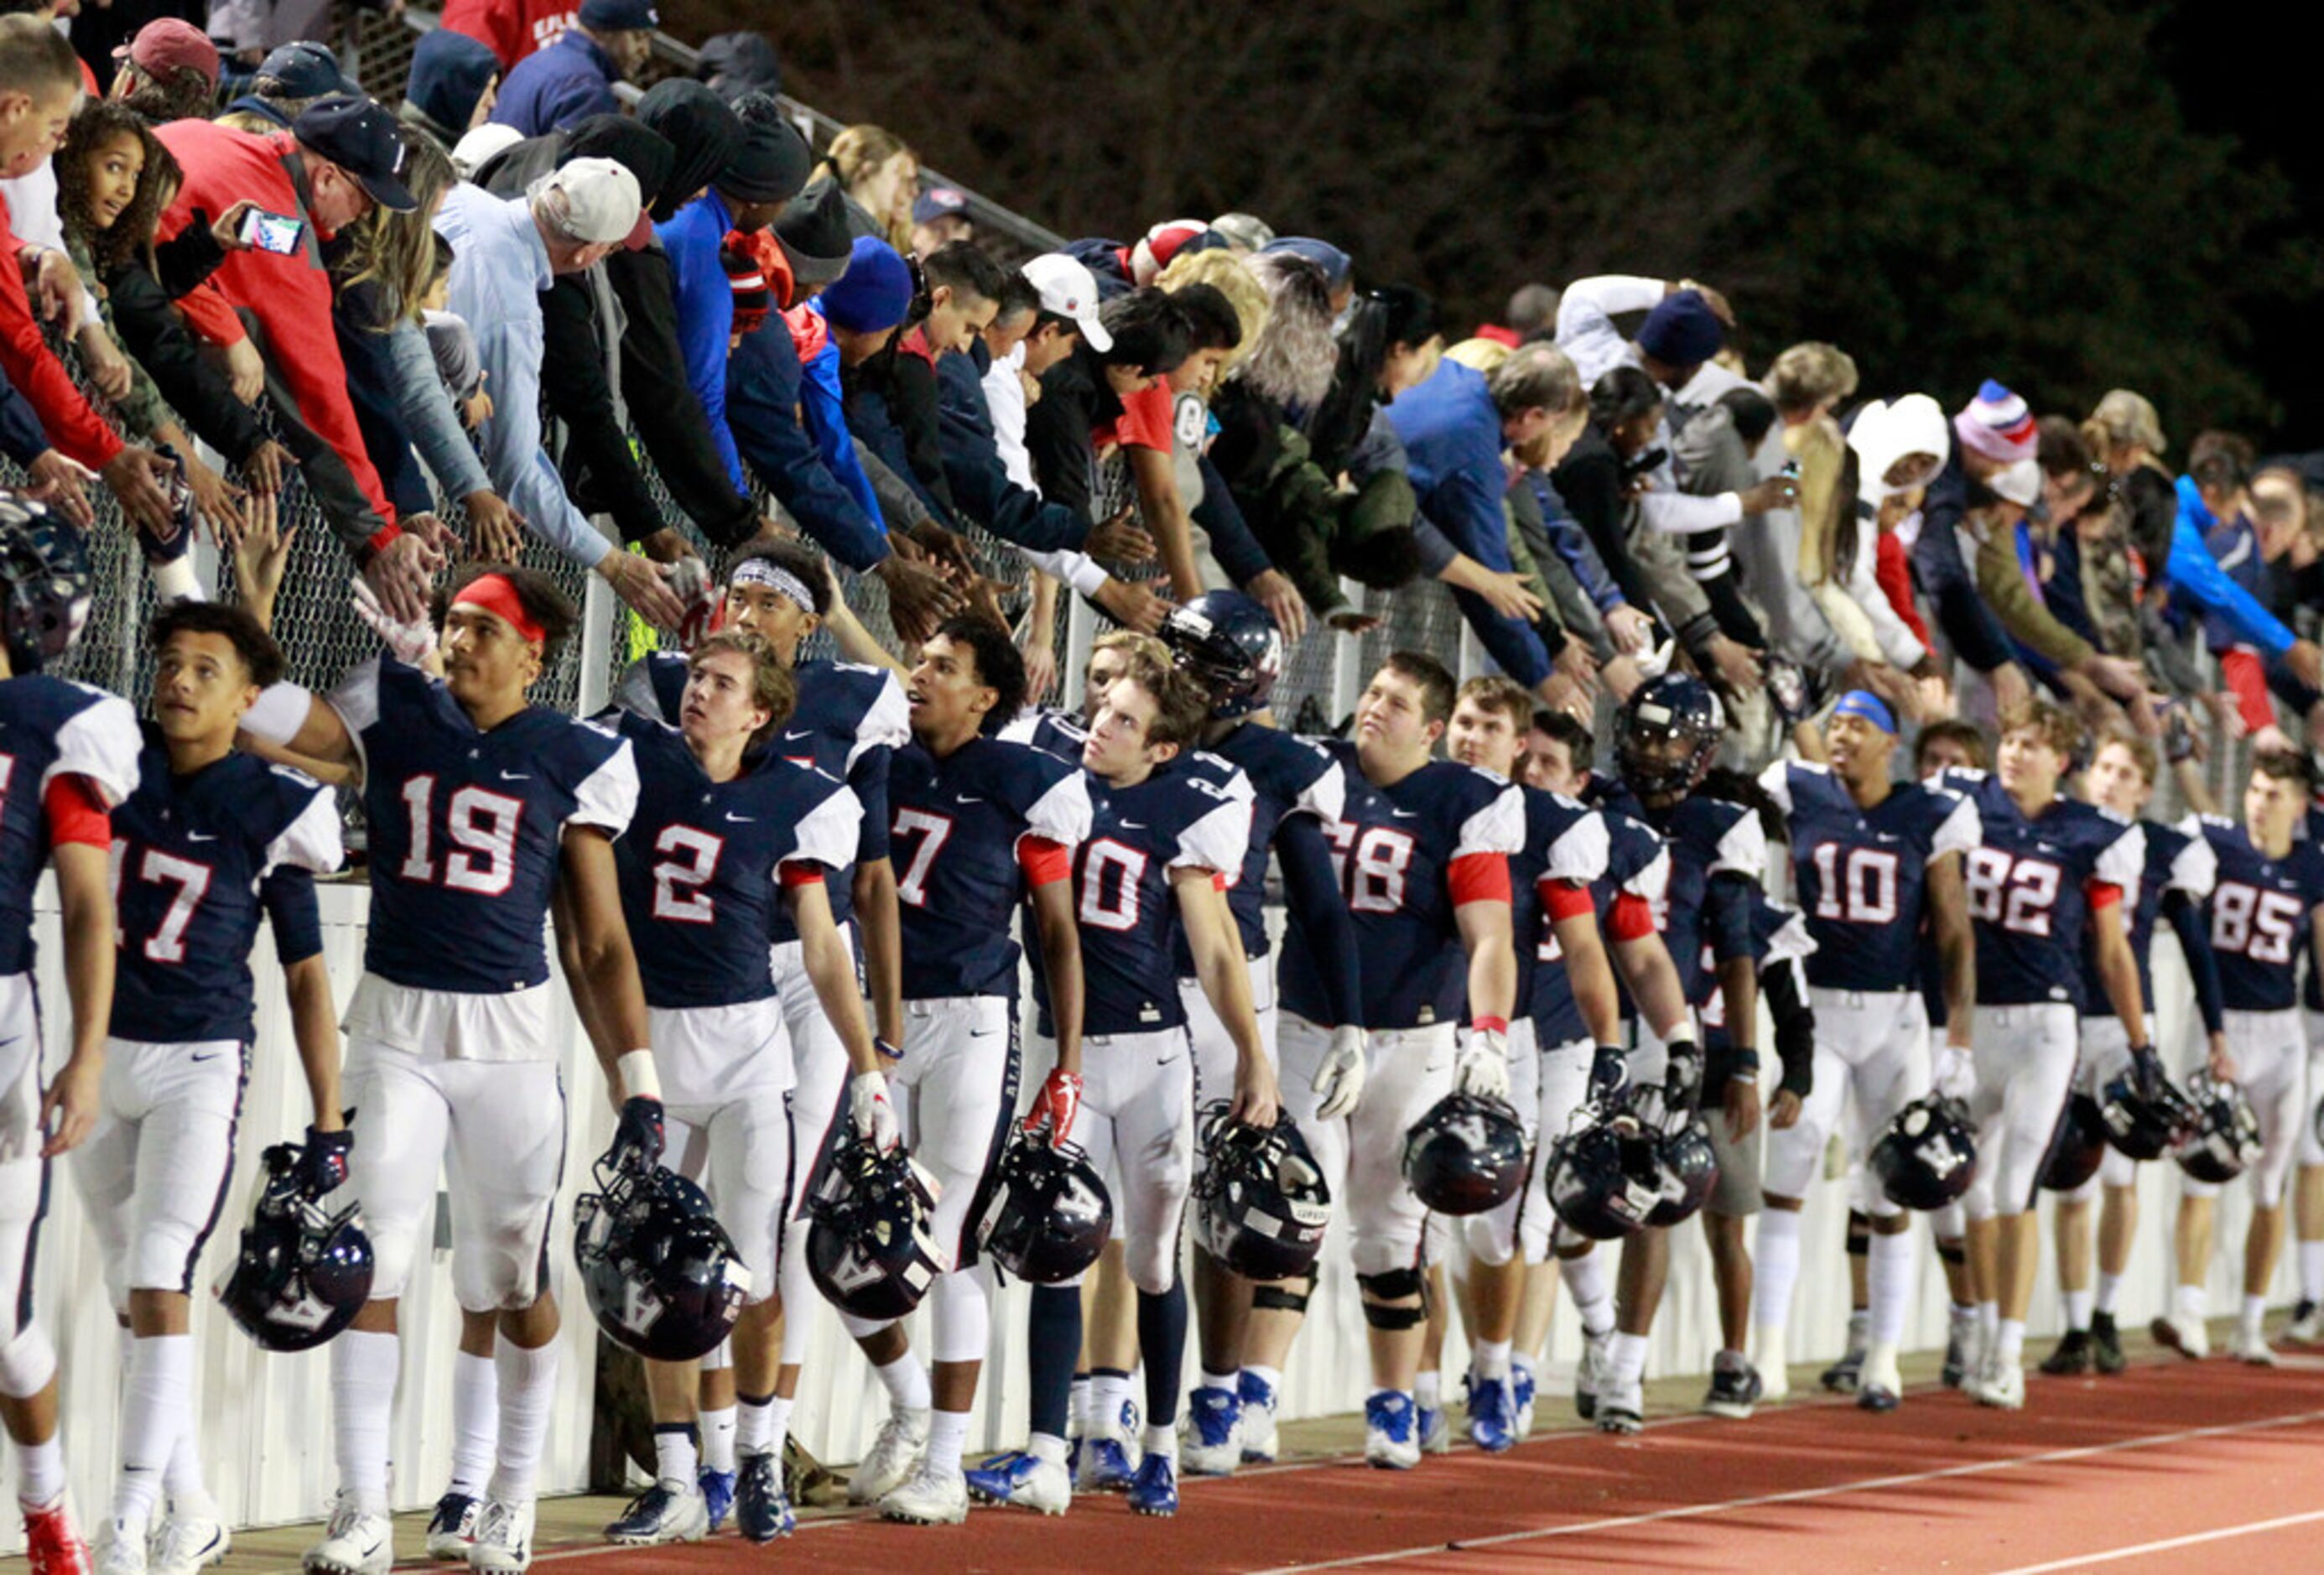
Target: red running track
(2167,1467)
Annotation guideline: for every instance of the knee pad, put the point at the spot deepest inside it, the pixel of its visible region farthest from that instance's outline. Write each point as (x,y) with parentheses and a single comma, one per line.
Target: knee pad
(1394,1285)
(1859,1233)
(1283,1298)
(1955,1253)
(27,1363)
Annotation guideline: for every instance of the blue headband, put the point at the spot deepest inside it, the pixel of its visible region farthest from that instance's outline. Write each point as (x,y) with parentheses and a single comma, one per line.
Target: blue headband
(1870,707)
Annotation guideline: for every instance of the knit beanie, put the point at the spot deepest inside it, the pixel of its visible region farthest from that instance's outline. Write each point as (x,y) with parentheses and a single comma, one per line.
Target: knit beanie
(748,280)
(874,293)
(1998,425)
(1681,330)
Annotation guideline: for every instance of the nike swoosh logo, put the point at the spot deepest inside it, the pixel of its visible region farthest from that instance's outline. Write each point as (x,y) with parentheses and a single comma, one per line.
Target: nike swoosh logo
(195,836)
(1133,825)
(968,799)
(516,776)
(213,1056)
(1406,813)
(791,734)
(741,819)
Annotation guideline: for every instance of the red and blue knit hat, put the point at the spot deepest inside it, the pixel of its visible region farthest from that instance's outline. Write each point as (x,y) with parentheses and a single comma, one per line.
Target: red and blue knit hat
(1998,425)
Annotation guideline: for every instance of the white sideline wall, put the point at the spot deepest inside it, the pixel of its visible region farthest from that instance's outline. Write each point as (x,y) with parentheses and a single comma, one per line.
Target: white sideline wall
(265,1420)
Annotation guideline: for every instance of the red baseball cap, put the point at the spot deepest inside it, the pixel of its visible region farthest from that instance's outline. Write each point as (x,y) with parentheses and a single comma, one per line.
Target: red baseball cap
(168,43)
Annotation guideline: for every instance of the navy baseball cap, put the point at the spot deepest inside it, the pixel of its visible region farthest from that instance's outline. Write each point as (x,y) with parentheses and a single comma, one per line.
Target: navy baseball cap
(363,139)
(938,202)
(620,16)
(306,69)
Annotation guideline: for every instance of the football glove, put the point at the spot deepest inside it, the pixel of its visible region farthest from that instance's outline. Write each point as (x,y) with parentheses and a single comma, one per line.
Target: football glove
(868,1108)
(1481,1064)
(1340,1080)
(1054,1107)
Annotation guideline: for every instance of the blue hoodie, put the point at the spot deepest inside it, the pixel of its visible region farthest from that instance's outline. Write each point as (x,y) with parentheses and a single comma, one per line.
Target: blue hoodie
(450,73)
(2198,583)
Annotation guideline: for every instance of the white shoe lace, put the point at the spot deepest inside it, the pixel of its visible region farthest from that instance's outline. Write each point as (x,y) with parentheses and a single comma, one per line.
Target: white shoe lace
(498,1526)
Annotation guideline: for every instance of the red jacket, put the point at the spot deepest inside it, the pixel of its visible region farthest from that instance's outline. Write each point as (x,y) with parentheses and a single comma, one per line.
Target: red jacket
(511,29)
(77,431)
(1892,568)
(291,297)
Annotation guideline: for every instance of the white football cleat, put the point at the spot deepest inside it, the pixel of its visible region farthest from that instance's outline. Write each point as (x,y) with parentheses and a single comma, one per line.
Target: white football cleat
(895,1455)
(2307,1325)
(503,1544)
(1880,1386)
(2183,1333)
(354,1544)
(122,1550)
(2250,1348)
(2002,1386)
(931,1497)
(190,1539)
(1621,1407)
(1255,1430)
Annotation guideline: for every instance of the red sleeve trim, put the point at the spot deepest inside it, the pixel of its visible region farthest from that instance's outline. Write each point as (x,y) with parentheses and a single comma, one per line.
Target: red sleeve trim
(1479,878)
(2100,893)
(77,813)
(378,539)
(1218,881)
(2246,678)
(1633,918)
(1045,863)
(1565,899)
(799,872)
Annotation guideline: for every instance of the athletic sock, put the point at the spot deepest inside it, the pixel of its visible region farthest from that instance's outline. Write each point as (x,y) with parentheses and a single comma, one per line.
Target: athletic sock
(677,1453)
(181,1481)
(2192,1301)
(1047,1447)
(475,1421)
(1428,1391)
(718,1440)
(2009,1348)
(1230,1381)
(41,1472)
(1053,1339)
(1077,1420)
(1161,1438)
(2109,1289)
(1491,1357)
(364,1366)
(528,1387)
(1860,1319)
(1775,1262)
(1890,1265)
(1627,1359)
(2311,1271)
(2255,1316)
(948,1431)
(778,1434)
(1988,1324)
(1162,1340)
(156,1410)
(1109,1394)
(2077,1312)
(907,1383)
(1586,1285)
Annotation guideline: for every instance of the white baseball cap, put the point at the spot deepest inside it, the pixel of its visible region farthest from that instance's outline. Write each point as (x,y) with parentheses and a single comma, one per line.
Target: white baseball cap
(2020,484)
(600,198)
(1069,290)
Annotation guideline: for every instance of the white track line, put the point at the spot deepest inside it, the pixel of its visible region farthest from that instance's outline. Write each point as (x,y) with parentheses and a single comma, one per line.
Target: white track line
(2083,1560)
(1804,1495)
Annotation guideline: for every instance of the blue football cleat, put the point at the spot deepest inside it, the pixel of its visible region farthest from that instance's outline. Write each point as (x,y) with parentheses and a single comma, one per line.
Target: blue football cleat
(1212,1440)
(763,1512)
(718,1494)
(1155,1490)
(1489,1414)
(1105,1467)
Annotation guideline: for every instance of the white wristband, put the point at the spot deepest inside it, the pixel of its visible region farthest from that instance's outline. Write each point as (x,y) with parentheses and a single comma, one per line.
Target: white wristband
(279,712)
(639,1079)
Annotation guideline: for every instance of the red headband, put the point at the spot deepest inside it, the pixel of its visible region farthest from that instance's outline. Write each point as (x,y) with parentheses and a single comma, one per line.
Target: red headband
(495,595)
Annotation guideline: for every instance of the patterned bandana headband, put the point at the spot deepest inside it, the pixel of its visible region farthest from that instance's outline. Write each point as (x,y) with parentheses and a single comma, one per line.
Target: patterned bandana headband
(758,571)
(495,595)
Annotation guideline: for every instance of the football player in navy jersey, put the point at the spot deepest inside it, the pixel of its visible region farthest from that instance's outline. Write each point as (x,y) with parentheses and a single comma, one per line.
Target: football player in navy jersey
(1231,646)
(1423,847)
(68,755)
(1552,890)
(480,805)
(2307,1323)
(849,720)
(1558,750)
(1873,863)
(1666,737)
(2048,878)
(211,842)
(714,849)
(2178,872)
(1167,825)
(978,825)
(2266,910)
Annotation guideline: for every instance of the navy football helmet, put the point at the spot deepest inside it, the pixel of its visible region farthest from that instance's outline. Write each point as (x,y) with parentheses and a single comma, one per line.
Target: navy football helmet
(2078,1148)
(1466,1156)
(869,1250)
(2146,1115)
(302,1273)
(2224,1136)
(660,1273)
(1666,735)
(1260,1204)
(1926,1157)
(1606,1174)
(1689,1169)
(1231,646)
(44,579)
(1049,1215)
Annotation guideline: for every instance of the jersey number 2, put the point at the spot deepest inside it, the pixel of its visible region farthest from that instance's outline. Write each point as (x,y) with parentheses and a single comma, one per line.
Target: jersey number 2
(2018,893)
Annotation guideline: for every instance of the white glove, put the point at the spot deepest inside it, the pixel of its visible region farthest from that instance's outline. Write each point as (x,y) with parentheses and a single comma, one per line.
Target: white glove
(1956,1075)
(690,581)
(1481,1067)
(410,643)
(1340,1080)
(868,1108)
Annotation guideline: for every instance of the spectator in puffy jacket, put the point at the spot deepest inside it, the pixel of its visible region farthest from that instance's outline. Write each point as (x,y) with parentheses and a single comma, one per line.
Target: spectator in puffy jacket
(573,77)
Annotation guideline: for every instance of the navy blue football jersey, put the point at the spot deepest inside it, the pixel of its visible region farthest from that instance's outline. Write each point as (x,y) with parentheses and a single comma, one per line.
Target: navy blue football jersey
(1393,848)
(1707,838)
(196,860)
(1564,841)
(1288,776)
(1637,865)
(700,865)
(49,727)
(1059,735)
(1194,813)
(954,826)
(2261,912)
(467,826)
(851,717)
(2029,885)
(2311,993)
(1778,931)
(1859,876)
(2176,861)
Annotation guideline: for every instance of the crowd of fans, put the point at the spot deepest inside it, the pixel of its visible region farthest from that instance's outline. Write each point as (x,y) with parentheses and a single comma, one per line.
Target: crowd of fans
(496,311)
